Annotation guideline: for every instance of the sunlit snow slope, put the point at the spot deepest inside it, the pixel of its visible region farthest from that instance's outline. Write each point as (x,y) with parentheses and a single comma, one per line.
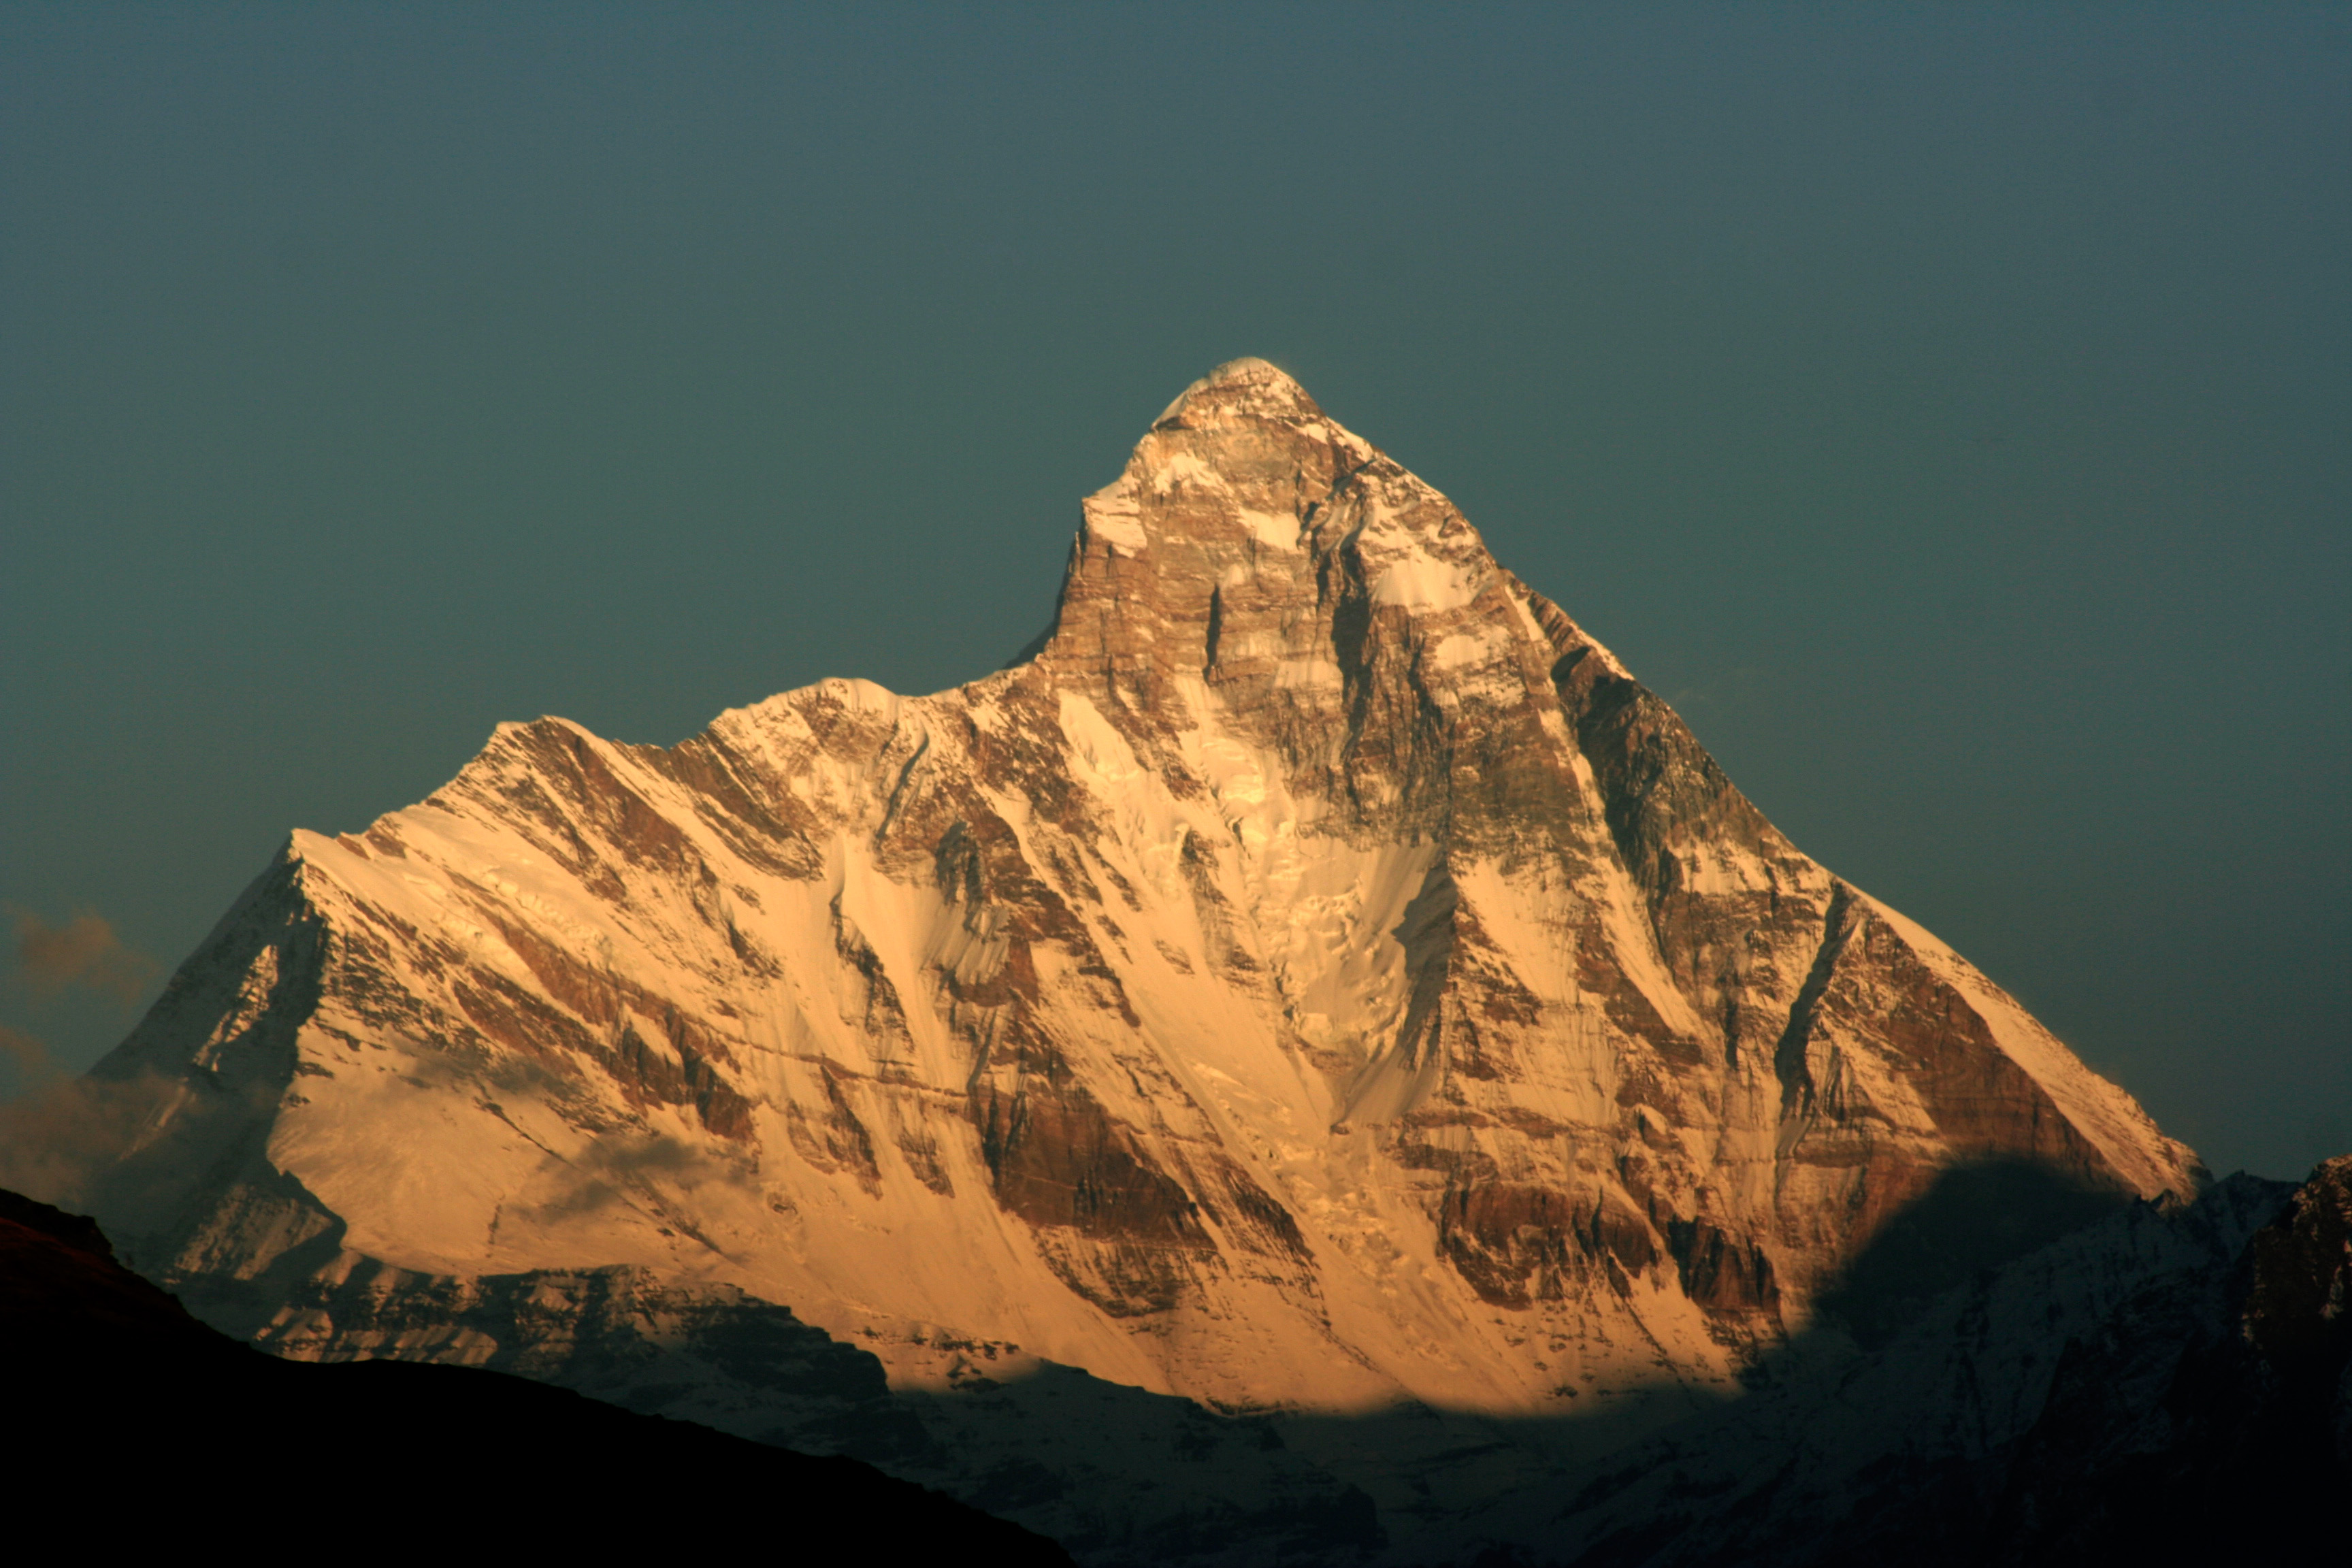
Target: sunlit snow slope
(1321,976)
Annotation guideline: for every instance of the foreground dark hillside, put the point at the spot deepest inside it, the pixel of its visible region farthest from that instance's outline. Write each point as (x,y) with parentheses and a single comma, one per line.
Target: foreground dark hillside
(143,1425)
(2207,1412)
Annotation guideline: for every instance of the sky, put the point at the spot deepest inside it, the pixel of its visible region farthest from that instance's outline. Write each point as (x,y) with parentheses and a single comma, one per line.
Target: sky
(1947,408)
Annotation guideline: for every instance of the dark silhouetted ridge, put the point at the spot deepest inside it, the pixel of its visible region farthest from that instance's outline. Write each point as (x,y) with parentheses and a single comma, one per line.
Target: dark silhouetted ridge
(152,1428)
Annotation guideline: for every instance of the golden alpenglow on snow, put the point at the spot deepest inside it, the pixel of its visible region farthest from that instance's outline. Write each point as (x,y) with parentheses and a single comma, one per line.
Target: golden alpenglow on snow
(1321,982)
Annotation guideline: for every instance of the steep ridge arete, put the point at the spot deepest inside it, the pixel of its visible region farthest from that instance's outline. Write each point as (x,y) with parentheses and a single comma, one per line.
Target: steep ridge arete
(1320,977)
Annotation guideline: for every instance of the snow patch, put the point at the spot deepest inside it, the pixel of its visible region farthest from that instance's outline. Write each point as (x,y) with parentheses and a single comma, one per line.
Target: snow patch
(1278,529)
(1422,581)
(1180,469)
(1461,649)
(1112,515)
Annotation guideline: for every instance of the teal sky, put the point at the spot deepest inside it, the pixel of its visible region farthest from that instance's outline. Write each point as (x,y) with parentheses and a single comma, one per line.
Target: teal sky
(1949,409)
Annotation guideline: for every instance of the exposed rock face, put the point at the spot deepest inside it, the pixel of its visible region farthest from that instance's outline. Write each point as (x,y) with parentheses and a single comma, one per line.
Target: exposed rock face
(1320,977)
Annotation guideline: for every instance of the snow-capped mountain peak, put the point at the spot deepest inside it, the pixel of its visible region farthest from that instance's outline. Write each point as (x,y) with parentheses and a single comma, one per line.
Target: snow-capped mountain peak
(1319,977)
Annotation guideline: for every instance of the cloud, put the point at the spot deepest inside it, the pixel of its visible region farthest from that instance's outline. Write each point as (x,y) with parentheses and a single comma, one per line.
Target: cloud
(83,954)
(23,1052)
(62,1136)
(57,1133)
(27,1058)
(632,1168)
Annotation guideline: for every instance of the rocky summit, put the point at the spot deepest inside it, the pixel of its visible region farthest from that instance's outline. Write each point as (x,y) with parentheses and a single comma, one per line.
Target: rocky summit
(1317,979)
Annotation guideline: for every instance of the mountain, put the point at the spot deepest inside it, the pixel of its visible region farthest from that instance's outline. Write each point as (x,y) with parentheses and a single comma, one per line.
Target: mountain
(2160,1387)
(139,1424)
(2193,1400)
(1317,981)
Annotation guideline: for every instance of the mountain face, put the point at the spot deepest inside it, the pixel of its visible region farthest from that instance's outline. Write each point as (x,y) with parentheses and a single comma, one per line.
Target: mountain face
(1964,1437)
(2194,1399)
(1317,979)
(2162,1386)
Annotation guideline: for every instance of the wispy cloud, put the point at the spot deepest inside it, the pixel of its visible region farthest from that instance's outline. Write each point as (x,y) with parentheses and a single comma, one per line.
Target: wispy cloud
(27,1055)
(84,953)
(62,1136)
(59,1133)
(623,1167)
